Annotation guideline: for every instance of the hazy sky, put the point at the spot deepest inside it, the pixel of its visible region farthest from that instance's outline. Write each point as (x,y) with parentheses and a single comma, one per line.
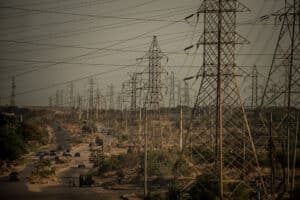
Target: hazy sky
(47,42)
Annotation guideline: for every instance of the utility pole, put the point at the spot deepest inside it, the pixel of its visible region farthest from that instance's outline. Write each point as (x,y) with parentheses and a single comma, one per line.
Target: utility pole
(91,97)
(181,126)
(133,92)
(146,158)
(254,88)
(98,95)
(186,95)
(79,107)
(172,91)
(57,99)
(271,154)
(219,114)
(61,99)
(71,96)
(13,95)
(179,101)
(119,102)
(111,96)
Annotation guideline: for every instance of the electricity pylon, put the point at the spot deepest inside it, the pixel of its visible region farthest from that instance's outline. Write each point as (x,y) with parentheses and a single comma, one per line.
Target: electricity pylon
(133,83)
(61,98)
(13,90)
(154,84)
(98,95)
(282,87)
(111,97)
(71,95)
(219,135)
(57,99)
(50,101)
(91,96)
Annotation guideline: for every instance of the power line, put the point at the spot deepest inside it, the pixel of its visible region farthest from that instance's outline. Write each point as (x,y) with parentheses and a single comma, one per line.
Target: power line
(88,15)
(92,52)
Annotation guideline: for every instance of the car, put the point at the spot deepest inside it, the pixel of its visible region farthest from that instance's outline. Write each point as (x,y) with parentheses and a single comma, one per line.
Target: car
(86,180)
(52,153)
(14,176)
(77,154)
(81,166)
(56,158)
(67,154)
(40,153)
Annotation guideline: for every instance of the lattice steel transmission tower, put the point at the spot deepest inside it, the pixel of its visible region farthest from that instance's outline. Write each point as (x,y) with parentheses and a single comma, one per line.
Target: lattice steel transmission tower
(98,96)
(282,88)
(79,107)
(219,135)
(71,95)
(154,85)
(50,101)
(57,99)
(119,102)
(133,97)
(61,98)
(91,94)
(111,97)
(13,92)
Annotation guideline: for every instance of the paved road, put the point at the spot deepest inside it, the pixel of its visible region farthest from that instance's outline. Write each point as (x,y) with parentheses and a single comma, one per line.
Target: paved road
(23,190)
(20,191)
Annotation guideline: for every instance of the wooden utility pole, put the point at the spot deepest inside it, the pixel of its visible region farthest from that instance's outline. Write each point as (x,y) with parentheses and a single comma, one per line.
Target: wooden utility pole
(146,159)
(181,126)
(140,123)
(295,152)
(126,122)
(271,154)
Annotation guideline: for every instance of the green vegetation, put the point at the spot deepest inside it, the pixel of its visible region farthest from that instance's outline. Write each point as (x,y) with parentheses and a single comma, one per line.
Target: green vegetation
(165,163)
(16,136)
(11,144)
(89,127)
(44,169)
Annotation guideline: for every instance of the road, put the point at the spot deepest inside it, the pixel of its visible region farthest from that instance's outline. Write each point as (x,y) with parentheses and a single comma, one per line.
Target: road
(61,190)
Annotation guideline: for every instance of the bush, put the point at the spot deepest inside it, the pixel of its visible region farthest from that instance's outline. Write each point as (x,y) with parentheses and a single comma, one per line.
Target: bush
(44,169)
(118,162)
(204,188)
(165,163)
(31,130)
(14,136)
(11,145)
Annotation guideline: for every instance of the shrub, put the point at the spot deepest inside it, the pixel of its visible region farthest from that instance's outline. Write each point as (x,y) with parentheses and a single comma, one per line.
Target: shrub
(11,145)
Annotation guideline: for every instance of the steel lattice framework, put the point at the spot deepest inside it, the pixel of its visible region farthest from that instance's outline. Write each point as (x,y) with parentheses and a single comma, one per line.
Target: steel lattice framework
(154,85)
(282,90)
(219,136)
